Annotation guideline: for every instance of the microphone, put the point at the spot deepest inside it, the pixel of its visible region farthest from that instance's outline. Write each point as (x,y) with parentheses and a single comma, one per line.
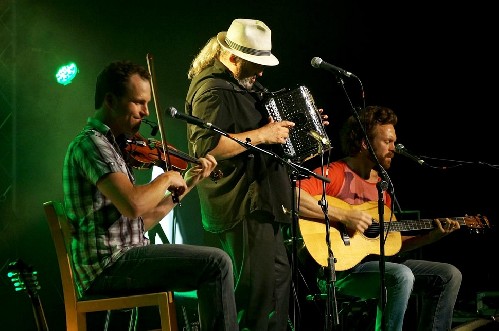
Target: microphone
(189,119)
(154,130)
(400,149)
(314,134)
(318,63)
(154,126)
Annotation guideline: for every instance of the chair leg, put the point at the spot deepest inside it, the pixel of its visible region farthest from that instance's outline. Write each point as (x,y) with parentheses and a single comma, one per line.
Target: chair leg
(134,316)
(107,320)
(167,314)
(132,324)
(81,321)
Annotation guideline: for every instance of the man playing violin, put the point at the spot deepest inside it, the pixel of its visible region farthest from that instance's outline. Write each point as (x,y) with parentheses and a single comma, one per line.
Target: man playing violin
(110,212)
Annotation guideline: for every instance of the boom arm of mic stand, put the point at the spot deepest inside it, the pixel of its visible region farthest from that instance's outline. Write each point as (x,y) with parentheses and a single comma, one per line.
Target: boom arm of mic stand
(248,145)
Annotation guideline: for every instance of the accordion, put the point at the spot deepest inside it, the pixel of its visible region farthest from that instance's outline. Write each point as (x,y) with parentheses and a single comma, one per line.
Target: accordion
(308,137)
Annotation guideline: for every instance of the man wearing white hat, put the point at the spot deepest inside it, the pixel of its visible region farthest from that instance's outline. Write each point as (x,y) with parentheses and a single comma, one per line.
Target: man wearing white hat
(245,208)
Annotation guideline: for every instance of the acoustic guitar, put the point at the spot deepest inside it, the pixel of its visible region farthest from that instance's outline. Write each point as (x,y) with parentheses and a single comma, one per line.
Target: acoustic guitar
(349,248)
(25,278)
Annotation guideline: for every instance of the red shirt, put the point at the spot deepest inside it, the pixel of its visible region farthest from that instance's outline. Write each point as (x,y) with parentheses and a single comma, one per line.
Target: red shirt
(345,185)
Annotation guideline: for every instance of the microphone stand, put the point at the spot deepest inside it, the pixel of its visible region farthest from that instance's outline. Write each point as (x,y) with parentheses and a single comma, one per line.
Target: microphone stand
(295,170)
(382,186)
(331,315)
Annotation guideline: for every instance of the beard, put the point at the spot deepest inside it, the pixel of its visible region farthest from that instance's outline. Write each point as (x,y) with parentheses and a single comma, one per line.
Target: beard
(245,74)
(247,83)
(384,161)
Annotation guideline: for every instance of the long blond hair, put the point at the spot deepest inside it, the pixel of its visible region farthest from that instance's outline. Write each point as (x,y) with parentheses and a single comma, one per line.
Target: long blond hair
(206,57)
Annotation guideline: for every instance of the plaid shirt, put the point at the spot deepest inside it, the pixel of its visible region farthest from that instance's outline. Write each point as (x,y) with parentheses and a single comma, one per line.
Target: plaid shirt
(101,234)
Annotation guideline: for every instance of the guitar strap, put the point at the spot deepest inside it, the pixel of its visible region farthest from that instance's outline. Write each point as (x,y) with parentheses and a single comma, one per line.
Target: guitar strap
(344,235)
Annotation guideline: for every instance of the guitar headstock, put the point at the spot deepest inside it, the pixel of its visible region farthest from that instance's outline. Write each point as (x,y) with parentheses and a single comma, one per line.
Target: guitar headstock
(477,224)
(23,277)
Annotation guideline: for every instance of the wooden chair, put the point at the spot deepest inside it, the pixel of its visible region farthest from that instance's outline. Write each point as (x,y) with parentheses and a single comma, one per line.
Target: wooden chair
(76,309)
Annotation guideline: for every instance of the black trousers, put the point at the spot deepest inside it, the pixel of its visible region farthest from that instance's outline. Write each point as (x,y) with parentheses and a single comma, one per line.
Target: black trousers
(262,273)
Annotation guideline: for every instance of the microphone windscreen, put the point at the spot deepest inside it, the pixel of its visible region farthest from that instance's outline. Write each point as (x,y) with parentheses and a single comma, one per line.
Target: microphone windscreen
(173,111)
(316,62)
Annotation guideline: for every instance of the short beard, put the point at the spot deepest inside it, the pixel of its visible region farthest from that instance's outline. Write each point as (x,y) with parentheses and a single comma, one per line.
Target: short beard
(246,83)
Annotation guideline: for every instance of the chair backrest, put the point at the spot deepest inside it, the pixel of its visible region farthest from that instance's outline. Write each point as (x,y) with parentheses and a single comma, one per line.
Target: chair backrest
(60,229)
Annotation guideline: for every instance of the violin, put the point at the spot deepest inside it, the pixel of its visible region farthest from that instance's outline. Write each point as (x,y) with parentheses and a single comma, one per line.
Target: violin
(142,153)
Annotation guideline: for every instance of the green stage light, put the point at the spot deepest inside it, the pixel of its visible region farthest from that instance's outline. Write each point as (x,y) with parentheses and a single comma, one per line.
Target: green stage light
(66,73)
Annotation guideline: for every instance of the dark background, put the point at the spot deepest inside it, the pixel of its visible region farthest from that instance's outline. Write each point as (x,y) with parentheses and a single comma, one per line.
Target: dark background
(435,66)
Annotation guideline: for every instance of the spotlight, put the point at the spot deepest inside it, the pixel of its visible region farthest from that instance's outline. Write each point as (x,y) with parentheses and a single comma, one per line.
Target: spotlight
(66,73)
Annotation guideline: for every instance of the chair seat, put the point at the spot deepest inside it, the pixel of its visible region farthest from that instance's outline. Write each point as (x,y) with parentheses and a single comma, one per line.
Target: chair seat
(142,300)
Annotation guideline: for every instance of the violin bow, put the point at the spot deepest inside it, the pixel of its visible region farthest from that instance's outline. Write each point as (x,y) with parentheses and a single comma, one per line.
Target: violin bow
(159,115)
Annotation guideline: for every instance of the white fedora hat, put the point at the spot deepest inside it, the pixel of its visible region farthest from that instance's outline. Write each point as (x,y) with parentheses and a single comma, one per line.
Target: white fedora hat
(250,40)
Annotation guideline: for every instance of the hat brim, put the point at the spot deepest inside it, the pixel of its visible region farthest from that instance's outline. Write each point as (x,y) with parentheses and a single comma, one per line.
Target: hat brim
(266,60)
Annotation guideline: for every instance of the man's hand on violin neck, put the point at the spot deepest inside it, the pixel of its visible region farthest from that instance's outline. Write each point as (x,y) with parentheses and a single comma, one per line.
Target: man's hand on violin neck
(175,182)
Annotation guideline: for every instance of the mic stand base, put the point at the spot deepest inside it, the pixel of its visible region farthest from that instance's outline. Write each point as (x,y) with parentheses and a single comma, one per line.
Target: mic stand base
(331,315)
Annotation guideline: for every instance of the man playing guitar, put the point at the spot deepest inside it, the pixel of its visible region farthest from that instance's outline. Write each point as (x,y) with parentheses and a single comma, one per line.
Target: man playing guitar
(354,181)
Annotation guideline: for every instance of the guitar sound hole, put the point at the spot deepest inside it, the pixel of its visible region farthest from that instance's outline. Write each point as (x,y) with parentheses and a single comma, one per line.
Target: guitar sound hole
(372,231)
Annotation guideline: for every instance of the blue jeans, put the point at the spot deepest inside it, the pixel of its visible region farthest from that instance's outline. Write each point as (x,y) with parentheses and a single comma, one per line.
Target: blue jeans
(177,267)
(437,283)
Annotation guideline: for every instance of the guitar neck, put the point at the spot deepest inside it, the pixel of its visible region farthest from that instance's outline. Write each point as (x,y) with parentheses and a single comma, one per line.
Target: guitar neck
(38,313)
(421,224)
(25,279)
